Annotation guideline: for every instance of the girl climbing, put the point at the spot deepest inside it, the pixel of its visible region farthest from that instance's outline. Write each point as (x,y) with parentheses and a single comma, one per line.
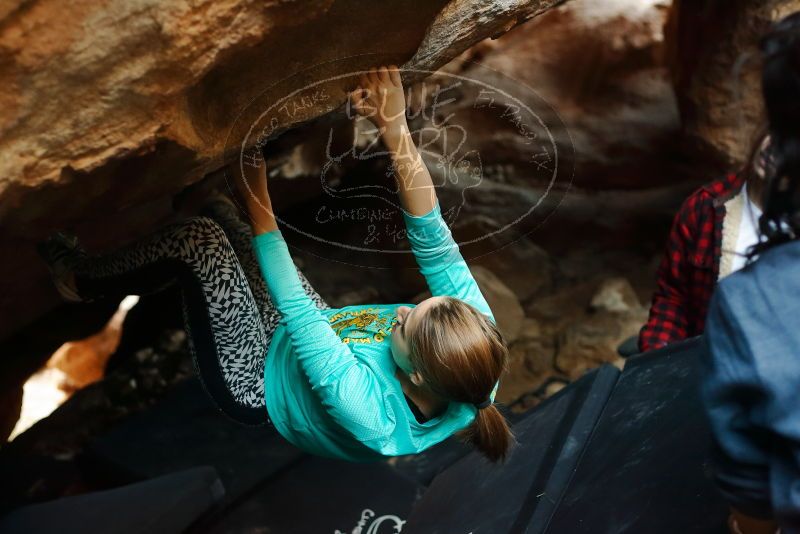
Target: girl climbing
(356,383)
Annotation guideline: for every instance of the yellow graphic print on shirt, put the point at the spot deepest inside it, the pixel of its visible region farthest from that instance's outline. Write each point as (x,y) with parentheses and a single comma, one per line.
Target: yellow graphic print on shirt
(368,325)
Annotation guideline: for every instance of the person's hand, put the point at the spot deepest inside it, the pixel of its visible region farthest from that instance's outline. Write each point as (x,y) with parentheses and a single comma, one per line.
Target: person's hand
(249,175)
(251,189)
(380,98)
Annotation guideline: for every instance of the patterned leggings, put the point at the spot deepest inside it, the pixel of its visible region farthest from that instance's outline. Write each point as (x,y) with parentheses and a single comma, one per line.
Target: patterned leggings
(228,313)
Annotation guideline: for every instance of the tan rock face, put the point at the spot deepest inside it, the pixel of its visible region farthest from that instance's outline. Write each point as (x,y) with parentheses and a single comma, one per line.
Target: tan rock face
(714,58)
(615,295)
(108,108)
(504,303)
(101,80)
(83,362)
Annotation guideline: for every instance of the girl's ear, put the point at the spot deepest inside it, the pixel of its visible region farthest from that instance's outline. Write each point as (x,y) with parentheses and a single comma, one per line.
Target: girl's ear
(416,378)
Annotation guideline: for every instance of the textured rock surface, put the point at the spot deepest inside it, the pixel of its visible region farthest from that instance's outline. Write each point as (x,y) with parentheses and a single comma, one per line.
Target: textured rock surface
(10,409)
(600,67)
(109,108)
(503,302)
(615,295)
(714,61)
(84,361)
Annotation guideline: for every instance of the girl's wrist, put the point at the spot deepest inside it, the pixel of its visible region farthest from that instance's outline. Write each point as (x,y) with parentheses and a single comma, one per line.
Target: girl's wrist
(393,135)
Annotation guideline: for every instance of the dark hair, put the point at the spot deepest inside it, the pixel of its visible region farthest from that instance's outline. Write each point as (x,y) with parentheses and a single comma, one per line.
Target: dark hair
(781,86)
(461,354)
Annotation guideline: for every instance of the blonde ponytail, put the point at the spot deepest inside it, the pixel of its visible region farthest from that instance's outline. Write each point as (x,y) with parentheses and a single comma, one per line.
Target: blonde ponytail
(490,434)
(461,355)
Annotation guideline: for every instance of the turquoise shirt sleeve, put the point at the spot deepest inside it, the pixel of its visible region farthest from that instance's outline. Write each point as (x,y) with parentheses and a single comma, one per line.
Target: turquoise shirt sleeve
(348,389)
(440,260)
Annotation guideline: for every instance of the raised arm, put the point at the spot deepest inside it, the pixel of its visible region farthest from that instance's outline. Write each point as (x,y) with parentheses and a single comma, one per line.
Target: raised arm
(381,99)
(348,389)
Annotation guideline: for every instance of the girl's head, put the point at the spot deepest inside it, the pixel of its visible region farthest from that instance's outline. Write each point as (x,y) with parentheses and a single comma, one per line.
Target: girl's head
(455,351)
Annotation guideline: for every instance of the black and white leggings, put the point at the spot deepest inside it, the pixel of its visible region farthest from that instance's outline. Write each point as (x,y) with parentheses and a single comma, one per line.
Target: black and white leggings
(228,313)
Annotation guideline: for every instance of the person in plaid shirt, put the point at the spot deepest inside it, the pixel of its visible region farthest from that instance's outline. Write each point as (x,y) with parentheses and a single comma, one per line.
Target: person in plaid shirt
(710,235)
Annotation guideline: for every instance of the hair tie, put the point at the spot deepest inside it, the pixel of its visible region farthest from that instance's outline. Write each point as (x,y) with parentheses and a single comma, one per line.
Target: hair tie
(484,404)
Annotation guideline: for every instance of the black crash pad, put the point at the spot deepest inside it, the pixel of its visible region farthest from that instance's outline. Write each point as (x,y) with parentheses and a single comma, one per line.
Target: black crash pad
(611,453)
(475,496)
(270,485)
(167,505)
(425,466)
(185,430)
(646,467)
(320,495)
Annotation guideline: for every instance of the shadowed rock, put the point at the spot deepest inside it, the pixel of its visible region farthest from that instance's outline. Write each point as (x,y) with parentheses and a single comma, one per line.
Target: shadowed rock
(716,68)
(109,109)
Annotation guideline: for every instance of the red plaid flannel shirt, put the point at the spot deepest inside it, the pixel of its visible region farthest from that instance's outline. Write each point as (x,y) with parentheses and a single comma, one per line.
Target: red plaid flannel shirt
(688,273)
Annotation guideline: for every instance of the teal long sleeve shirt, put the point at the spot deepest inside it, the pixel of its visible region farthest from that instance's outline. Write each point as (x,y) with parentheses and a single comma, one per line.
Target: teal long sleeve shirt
(330,385)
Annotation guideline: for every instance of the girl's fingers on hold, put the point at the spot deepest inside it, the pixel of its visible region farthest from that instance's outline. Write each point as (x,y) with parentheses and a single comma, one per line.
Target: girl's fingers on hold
(373,76)
(394,75)
(355,98)
(383,75)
